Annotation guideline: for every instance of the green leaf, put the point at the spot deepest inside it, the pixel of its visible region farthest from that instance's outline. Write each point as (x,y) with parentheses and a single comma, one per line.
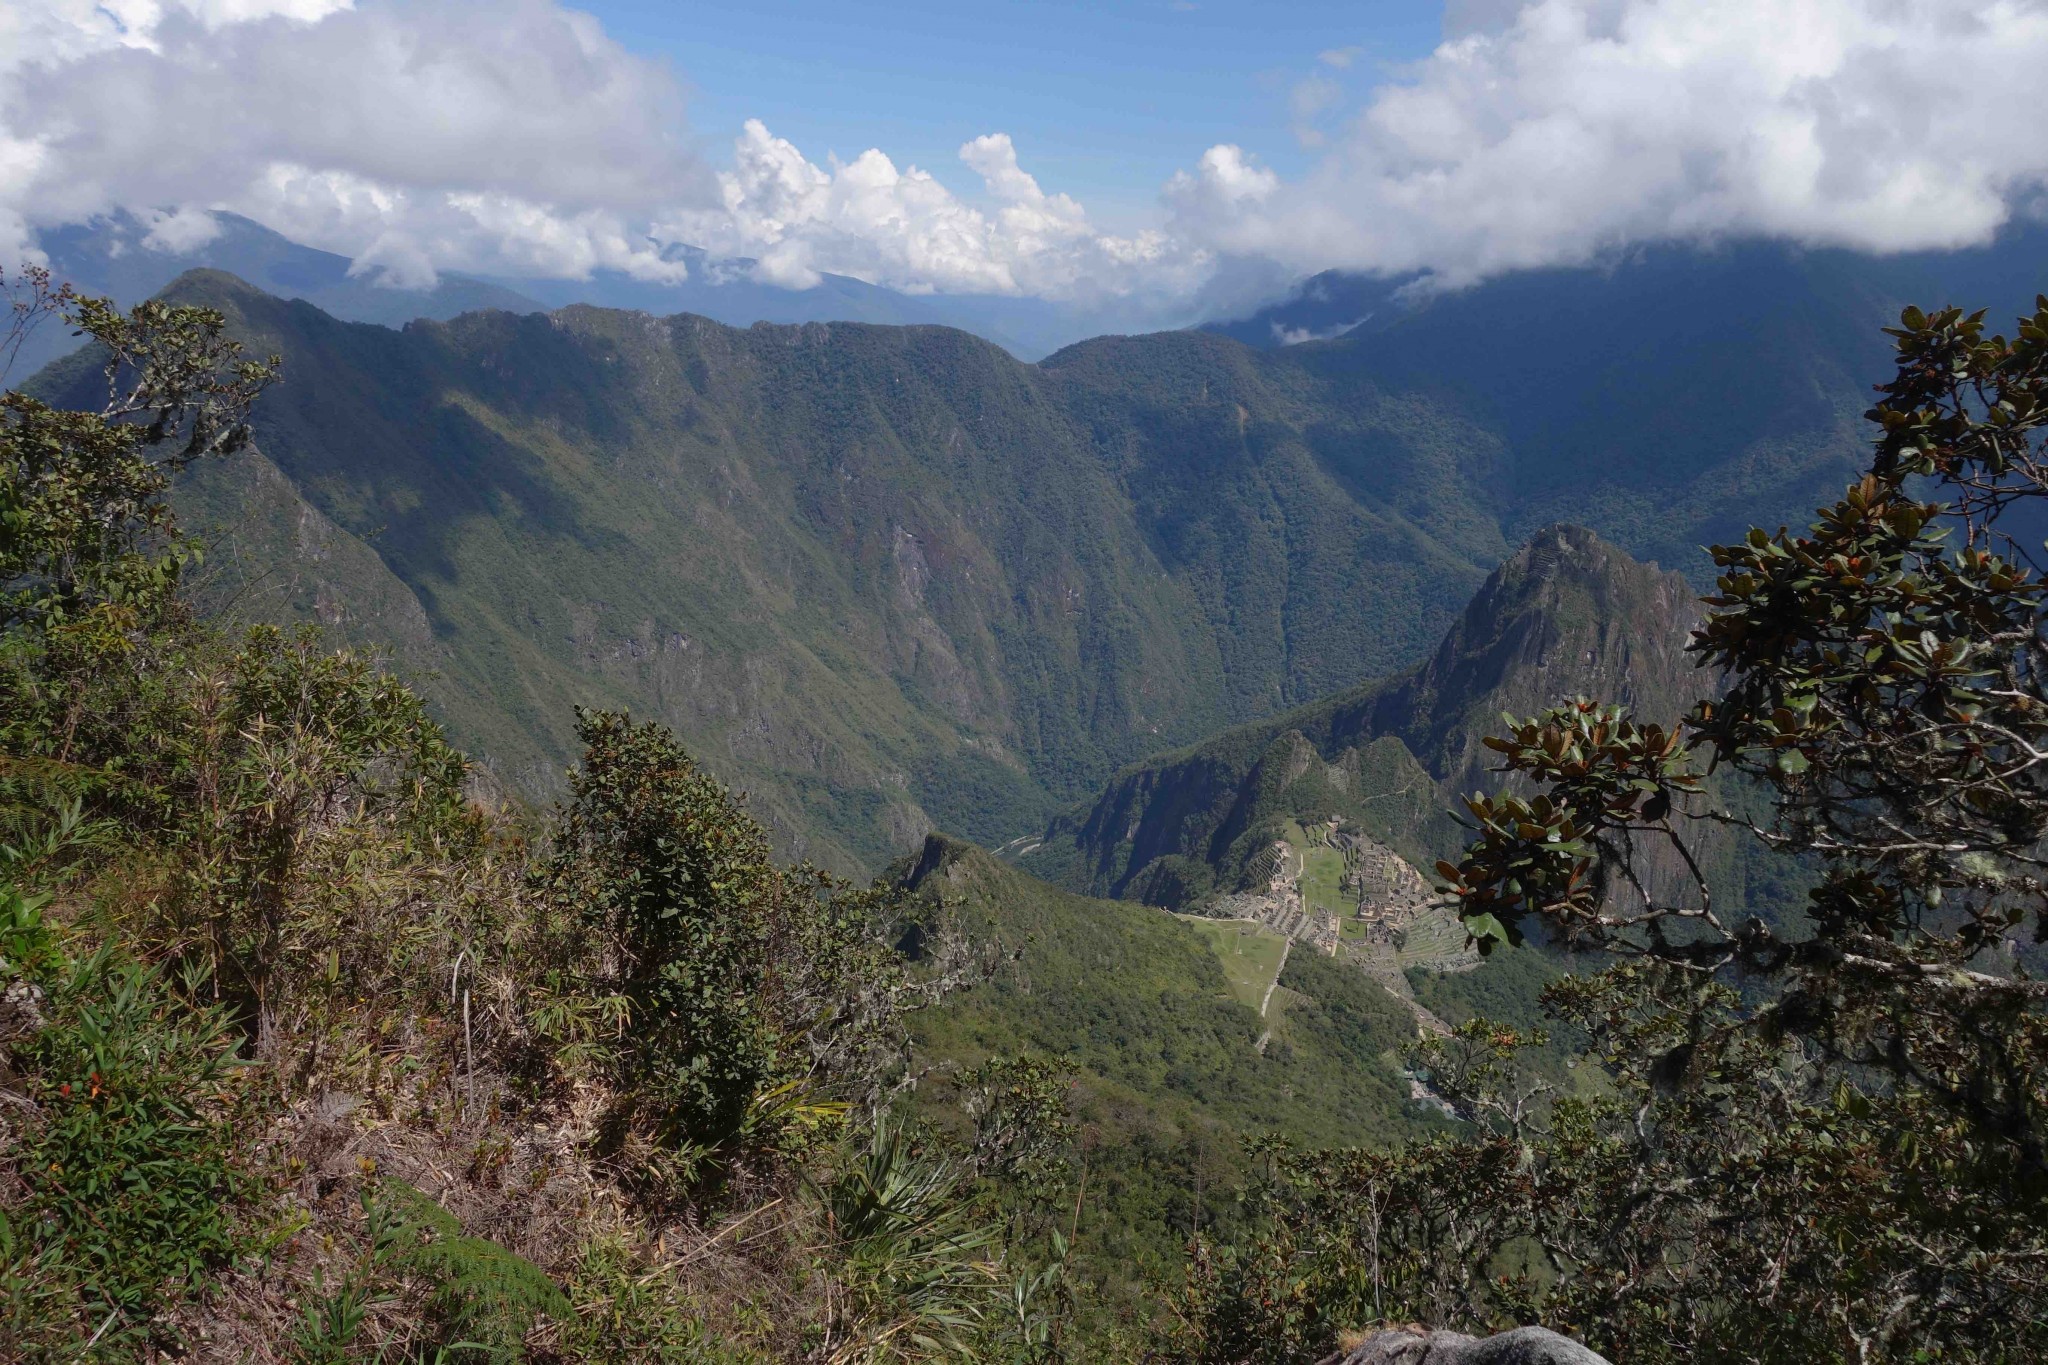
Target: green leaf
(1486,928)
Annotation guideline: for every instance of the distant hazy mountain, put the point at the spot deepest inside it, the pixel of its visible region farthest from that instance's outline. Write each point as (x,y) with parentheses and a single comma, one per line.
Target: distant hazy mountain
(723,290)
(108,256)
(1408,311)
(111,256)
(1672,398)
(1321,308)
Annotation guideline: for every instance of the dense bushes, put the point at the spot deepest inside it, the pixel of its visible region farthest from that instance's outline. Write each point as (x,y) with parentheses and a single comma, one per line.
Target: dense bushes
(124,1185)
(308,1054)
(1812,1132)
(759,1002)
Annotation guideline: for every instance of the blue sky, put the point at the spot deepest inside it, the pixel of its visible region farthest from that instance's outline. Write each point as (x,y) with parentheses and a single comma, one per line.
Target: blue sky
(1104,101)
(1150,153)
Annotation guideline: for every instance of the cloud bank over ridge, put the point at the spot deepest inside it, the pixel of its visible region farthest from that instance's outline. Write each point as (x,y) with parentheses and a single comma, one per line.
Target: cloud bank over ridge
(418,135)
(1549,132)
(409,135)
(521,139)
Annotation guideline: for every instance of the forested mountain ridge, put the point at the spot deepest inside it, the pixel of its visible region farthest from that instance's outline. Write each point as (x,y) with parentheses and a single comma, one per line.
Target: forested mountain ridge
(890,578)
(882,577)
(1567,615)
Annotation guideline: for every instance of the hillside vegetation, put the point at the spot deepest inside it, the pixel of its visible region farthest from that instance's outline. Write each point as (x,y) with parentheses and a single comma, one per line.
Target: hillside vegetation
(1172,1074)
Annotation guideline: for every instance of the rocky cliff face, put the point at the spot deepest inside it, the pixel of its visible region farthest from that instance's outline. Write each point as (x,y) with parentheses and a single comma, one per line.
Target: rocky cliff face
(1567,615)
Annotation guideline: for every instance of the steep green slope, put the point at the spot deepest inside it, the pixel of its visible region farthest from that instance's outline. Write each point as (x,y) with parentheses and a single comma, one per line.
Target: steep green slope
(1172,1074)
(889,579)
(884,578)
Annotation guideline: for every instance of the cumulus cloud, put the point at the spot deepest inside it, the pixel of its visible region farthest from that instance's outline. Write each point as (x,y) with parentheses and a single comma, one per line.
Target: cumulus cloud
(179,230)
(902,227)
(438,132)
(515,137)
(1551,131)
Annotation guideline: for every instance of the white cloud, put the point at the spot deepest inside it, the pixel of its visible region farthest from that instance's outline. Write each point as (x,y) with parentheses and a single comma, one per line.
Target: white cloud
(434,133)
(517,137)
(1284,335)
(1227,186)
(179,230)
(903,228)
(1554,130)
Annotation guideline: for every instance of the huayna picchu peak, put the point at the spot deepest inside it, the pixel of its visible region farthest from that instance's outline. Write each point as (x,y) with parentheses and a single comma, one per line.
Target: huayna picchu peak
(1567,615)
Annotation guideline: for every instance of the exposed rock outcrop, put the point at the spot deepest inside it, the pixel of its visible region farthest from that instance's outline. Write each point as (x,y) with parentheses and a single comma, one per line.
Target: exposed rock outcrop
(1523,1346)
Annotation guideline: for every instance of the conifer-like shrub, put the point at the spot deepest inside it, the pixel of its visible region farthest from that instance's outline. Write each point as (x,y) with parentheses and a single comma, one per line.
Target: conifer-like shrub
(761,1001)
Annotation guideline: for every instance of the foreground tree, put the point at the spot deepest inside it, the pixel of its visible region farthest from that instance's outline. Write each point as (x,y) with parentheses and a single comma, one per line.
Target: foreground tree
(306,1056)
(760,1004)
(82,493)
(1821,1117)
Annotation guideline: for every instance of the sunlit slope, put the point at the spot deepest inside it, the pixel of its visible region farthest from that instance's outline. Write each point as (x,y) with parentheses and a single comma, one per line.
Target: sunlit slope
(1176,1064)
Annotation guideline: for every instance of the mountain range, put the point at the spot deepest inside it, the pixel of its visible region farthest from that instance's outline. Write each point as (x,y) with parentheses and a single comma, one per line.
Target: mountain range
(1567,615)
(885,578)
(120,257)
(891,579)
(1183,622)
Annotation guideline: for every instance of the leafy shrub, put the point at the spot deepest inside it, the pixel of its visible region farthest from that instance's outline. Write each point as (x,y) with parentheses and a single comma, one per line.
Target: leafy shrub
(1023,1122)
(484,1297)
(126,1185)
(762,999)
(82,493)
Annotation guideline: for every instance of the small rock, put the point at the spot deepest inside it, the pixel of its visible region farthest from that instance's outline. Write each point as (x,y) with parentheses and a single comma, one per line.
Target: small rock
(1523,1346)
(21,1010)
